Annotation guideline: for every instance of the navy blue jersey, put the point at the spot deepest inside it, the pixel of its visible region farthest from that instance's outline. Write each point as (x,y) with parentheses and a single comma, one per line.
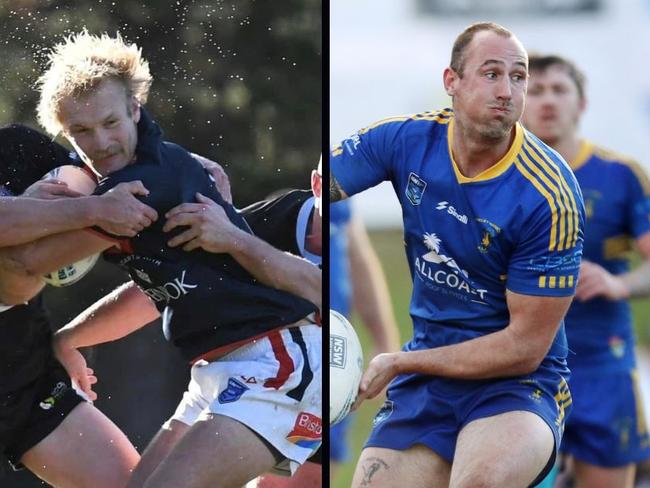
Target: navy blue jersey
(207,300)
(284,221)
(517,226)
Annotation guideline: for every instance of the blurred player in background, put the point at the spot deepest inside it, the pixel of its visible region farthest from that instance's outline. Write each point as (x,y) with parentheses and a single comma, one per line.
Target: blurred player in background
(607,432)
(44,424)
(357,283)
(493,224)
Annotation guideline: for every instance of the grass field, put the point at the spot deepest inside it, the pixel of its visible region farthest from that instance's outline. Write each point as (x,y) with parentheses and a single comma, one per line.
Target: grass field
(390,248)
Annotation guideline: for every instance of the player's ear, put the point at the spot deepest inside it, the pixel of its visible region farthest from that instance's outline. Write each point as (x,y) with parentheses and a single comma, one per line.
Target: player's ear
(135,109)
(582,105)
(450,80)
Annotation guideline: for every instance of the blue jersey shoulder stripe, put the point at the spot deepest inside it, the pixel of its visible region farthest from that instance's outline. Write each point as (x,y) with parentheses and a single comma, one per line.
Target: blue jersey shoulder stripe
(568,195)
(527,172)
(634,166)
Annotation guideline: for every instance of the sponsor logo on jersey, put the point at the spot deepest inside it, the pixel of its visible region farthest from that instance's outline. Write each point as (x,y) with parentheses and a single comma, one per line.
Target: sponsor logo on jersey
(415,189)
(307,431)
(451,275)
(55,394)
(385,411)
(556,264)
(142,275)
(233,391)
(352,143)
(451,210)
(337,351)
(172,290)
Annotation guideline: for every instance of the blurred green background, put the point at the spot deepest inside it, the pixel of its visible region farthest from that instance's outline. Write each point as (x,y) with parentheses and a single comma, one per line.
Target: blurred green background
(239,82)
(390,248)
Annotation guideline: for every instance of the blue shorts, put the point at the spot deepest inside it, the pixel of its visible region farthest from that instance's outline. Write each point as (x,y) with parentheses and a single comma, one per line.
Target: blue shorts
(608,426)
(339,449)
(432,411)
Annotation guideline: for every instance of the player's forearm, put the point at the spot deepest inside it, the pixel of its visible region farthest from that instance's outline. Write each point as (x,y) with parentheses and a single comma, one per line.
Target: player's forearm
(51,253)
(278,269)
(371,300)
(26,219)
(637,281)
(500,354)
(117,315)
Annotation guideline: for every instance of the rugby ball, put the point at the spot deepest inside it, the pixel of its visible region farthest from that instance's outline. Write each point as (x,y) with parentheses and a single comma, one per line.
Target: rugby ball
(78,180)
(346,366)
(75,177)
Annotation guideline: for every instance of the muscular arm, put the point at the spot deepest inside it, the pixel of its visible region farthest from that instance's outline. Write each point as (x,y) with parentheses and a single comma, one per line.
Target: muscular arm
(516,350)
(371,299)
(24,219)
(210,229)
(114,316)
(117,315)
(336,192)
(22,267)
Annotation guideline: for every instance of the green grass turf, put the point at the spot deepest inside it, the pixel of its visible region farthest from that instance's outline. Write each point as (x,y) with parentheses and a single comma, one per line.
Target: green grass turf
(390,248)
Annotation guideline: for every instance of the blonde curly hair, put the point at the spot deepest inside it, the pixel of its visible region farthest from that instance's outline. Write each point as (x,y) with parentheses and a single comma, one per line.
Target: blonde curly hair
(80,63)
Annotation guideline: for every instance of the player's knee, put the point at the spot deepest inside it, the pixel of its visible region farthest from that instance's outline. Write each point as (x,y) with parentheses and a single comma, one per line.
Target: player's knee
(482,477)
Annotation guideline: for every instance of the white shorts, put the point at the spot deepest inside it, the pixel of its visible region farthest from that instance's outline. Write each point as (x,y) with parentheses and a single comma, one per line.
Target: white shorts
(272,385)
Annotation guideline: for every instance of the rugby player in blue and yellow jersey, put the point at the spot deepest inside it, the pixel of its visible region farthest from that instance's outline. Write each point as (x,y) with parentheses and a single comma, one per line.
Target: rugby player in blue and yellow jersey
(607,433)
(493,225)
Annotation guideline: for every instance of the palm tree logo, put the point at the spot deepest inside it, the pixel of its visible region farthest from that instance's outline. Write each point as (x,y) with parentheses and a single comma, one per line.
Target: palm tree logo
(432,242)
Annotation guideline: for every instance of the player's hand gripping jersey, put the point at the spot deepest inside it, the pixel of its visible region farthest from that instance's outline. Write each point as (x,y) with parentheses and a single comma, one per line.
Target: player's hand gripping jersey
(617,202)
(517,226)
(207,300)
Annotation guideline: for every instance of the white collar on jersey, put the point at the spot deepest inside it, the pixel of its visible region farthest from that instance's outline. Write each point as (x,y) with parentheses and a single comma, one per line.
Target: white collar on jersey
(301,231)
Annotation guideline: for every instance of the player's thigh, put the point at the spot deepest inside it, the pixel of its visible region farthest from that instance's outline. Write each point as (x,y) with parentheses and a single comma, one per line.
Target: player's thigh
(308,475)
(85,450)
(506,450)
(157,450)
(590,476)
(416,467)
(217,451)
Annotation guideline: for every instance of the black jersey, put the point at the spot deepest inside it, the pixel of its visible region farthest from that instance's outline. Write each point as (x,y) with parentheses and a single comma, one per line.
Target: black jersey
(207,300)
(25,345)
(283,221)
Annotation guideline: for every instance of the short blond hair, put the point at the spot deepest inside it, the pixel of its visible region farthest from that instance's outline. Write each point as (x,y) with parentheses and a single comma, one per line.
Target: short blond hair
(80,63)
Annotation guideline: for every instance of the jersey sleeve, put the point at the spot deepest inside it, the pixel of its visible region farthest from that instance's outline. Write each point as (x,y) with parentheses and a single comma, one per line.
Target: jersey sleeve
(546,261)
(638,200)
(367,158)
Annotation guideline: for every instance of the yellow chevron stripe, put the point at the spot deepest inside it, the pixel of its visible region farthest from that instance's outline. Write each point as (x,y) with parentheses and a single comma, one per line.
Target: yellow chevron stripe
(434,116)
(557,192)
(337,150)
(573,212)
(551,203)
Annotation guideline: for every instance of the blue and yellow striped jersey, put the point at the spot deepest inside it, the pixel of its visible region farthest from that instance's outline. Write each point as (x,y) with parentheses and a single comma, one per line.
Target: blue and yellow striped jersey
(517,225)
(617,202)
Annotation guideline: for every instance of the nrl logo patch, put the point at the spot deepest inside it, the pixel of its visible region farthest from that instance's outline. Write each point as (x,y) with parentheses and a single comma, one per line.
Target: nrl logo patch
(415,189)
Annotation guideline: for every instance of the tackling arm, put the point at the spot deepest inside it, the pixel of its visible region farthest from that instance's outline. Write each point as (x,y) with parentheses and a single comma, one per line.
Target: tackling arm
(210,229)
(117,315)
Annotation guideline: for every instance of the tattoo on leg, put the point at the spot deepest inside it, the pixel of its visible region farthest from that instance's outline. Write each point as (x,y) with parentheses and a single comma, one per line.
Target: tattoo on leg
(370,468)
(335,190)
